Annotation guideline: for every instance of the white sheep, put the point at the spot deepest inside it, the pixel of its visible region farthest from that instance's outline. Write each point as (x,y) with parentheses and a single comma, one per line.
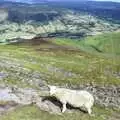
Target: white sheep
(76,98)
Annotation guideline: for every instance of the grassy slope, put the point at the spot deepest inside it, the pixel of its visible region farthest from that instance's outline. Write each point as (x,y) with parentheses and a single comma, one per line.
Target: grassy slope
(34,113)
(106,43)
(64,67)
(60,67)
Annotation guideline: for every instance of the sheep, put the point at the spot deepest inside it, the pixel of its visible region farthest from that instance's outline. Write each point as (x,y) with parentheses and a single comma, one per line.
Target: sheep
(76,98)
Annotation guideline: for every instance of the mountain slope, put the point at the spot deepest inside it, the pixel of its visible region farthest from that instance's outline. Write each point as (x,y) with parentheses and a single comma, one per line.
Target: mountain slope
(105,44)
(40,61)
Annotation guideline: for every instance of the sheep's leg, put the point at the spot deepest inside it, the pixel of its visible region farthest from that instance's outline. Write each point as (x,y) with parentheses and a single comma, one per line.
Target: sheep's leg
(89,111)
(64,107)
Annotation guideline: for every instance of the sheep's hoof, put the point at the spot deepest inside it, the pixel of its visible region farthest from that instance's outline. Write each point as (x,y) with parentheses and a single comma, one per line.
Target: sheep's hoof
(63,111)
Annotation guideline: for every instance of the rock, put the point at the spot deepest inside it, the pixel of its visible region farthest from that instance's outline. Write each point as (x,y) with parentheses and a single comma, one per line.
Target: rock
(107,96)
(9,106)
(26,96)
(48,106)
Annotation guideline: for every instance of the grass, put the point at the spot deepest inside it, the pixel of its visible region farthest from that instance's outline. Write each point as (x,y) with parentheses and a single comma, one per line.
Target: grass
(64,66)
(34,113)
(108,43)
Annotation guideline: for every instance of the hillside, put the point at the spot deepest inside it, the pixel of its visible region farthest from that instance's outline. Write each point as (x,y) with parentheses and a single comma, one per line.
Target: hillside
(108,44)
(33,63)
(74,46)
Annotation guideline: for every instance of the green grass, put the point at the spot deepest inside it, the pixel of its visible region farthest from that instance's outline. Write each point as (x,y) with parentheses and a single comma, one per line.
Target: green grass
(108,43)
(34,113)
(83,67)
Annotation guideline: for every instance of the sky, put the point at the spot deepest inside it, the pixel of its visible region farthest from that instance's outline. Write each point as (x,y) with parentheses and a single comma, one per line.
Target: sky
(57,0)
(109,0)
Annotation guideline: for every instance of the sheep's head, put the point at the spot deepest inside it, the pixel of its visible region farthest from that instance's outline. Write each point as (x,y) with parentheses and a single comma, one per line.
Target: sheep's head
(52,89)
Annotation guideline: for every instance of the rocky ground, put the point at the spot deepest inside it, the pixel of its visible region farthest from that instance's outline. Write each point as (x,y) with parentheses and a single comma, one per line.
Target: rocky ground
(12,97)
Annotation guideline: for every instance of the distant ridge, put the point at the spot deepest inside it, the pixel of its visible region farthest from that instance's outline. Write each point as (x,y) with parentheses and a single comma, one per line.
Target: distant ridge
(25,1)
